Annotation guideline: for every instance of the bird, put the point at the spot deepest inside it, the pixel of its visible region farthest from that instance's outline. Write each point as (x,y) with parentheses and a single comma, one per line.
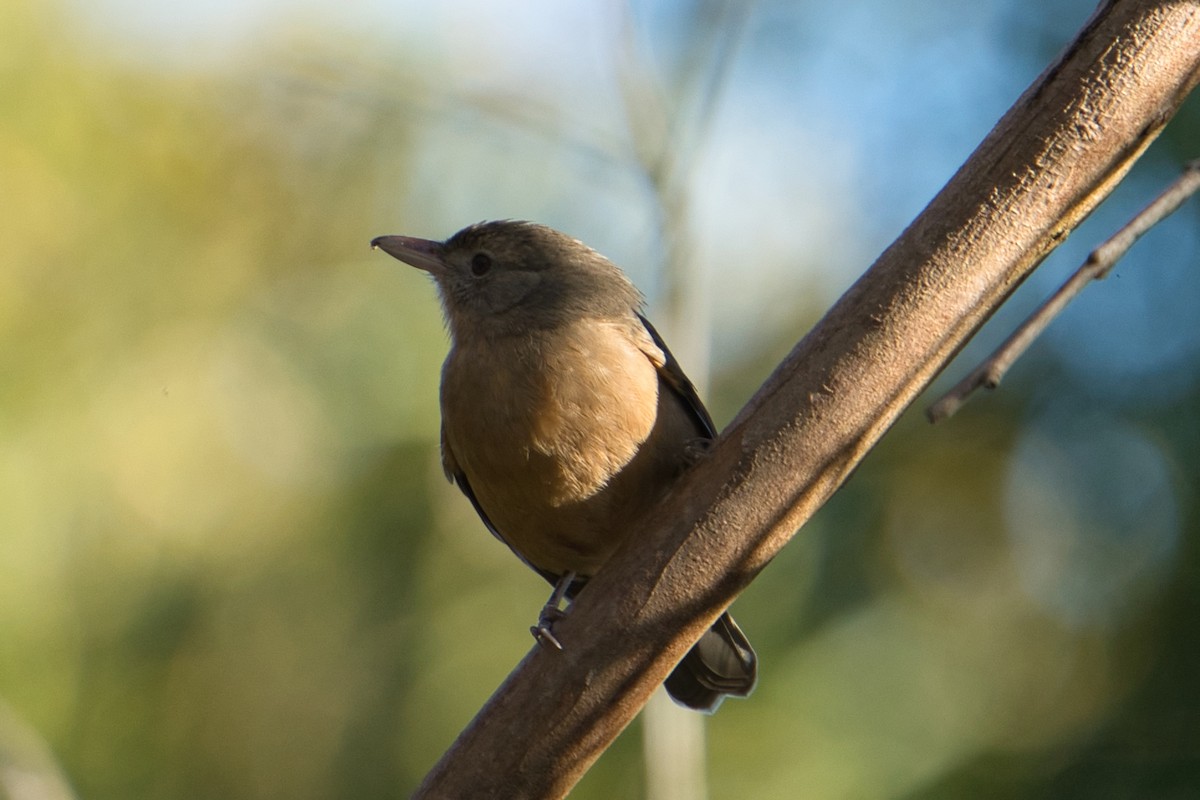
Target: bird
(565,417)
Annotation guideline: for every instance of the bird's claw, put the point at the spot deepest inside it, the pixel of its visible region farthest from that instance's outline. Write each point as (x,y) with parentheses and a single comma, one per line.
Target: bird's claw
(543,632)
(696,450)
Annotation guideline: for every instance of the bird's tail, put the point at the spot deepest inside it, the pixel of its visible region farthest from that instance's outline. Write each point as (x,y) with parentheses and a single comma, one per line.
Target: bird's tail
(722,663)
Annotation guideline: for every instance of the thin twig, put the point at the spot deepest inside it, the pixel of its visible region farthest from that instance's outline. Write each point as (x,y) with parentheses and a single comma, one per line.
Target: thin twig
(1097,266)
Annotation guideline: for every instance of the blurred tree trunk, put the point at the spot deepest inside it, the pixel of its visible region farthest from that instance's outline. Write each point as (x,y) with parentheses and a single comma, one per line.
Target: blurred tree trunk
(667,133)
(1053,157)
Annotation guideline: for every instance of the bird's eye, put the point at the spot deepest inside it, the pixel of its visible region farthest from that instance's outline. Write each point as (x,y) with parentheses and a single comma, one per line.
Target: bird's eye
(481,264)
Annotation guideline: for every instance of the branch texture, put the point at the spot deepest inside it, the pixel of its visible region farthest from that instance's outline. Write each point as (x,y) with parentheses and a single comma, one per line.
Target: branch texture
(1053,157)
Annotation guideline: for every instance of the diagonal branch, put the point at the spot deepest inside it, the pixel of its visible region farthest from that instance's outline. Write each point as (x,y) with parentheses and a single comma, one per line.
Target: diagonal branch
(1053,157)
(1096,267)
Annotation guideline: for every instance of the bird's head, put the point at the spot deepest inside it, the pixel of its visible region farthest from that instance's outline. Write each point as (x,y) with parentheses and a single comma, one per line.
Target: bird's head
(508,277)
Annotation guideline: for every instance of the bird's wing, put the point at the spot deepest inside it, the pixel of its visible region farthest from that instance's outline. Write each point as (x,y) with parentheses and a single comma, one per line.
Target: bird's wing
(673,376)
(456,476)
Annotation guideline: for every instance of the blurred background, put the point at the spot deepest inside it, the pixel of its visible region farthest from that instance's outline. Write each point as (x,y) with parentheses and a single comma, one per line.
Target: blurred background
(230,565)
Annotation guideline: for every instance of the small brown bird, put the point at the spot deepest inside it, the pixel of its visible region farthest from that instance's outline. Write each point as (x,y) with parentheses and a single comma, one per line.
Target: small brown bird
(565,418)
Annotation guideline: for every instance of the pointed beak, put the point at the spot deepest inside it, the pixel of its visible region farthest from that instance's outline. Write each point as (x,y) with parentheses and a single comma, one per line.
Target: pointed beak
(419,253)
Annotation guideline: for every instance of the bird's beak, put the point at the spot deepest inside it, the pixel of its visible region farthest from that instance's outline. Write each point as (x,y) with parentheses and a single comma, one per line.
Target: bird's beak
(419,253)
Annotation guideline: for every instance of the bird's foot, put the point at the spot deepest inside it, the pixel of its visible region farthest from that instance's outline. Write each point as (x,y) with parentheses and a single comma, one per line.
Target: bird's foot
(696,450)
(543,632)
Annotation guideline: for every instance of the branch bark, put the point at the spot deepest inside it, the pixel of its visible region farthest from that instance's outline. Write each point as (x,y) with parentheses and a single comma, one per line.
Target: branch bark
(1054,156)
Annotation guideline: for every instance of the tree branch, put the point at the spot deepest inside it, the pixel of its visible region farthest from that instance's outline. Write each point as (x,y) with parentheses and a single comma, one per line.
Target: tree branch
(1052,158)
(1095,267)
